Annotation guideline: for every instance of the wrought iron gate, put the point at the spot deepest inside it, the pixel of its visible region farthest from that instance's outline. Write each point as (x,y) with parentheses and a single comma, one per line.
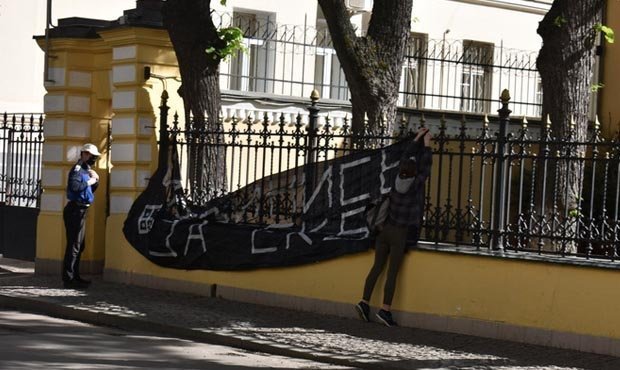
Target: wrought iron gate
(21,142)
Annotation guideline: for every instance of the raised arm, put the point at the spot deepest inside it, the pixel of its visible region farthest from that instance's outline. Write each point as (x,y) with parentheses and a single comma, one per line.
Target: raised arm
(420,149)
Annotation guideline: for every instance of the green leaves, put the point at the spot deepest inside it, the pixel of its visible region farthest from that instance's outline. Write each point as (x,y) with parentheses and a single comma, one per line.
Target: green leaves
(233,37)
(608,32)
(597,87)
(559,21)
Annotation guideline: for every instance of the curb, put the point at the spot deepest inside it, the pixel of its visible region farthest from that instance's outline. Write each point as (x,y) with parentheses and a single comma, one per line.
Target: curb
(138,324)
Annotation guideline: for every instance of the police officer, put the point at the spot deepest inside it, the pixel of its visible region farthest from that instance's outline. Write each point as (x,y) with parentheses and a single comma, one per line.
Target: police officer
(81,184)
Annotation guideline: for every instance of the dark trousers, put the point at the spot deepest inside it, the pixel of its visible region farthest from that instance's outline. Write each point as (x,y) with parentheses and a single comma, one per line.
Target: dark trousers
(391,242)
(74,215)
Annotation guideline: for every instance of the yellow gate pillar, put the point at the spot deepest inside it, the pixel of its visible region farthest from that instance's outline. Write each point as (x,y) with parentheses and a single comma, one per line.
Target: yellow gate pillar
(134,103)
(78,110)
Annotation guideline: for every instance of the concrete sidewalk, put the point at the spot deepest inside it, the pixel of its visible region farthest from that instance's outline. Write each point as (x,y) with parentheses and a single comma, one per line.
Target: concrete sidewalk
(274,330)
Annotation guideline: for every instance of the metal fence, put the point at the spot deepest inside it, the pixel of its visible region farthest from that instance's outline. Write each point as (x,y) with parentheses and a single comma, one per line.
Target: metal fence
(484,191)
(454,75)
(21,144)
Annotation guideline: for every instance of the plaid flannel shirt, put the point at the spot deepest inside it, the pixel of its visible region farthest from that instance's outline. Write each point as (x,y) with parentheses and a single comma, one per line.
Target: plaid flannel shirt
(407,209)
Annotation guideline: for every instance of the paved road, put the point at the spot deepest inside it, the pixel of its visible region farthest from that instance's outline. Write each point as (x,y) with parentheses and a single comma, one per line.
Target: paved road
(31,341)
(290,333)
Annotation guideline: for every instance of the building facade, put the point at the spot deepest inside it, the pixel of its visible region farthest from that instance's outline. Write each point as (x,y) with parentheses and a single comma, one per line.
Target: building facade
(460,56)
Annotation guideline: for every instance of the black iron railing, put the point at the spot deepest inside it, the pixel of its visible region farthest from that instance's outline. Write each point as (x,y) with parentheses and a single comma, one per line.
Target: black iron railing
(494,183)
(21,144)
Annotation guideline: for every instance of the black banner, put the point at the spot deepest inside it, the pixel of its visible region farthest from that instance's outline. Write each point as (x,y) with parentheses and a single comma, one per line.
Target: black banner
(166,231)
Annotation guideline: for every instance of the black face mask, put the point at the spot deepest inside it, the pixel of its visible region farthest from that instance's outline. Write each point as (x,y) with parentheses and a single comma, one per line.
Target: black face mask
(91,161)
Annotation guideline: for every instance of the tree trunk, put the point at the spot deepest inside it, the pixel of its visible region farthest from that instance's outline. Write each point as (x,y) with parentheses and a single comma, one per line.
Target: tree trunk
(372,64)
(192,31)
(566,64)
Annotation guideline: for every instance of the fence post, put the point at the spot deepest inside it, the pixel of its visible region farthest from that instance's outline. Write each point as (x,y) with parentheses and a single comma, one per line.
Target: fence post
(310,169)
(499,207)
(163,130)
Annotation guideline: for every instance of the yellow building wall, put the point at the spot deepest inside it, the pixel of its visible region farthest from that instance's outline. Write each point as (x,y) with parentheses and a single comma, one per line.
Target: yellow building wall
(562,298)
(609,109)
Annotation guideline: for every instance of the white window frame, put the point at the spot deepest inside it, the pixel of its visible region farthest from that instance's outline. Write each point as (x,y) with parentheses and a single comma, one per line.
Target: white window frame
(418,83)
(469,99)
(326,83)
(242,81)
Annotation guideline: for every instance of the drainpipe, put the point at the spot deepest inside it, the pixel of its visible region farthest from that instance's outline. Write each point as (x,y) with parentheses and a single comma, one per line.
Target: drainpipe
(443,47)
(48,23)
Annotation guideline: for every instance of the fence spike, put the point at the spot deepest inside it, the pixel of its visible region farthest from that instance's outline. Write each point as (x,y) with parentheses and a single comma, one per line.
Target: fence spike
(314,96)
(345,123)
(298,120)
(328,122)
(505,96)
(248,119)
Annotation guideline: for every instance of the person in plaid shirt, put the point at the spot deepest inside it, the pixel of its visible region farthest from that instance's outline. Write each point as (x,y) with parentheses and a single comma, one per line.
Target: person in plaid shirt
(404,216)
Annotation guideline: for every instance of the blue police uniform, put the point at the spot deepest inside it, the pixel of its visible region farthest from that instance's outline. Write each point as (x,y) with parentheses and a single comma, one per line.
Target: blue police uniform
(81,195)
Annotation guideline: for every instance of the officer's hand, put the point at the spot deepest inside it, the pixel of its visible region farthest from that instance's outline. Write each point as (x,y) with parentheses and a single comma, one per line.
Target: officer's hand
(93,175)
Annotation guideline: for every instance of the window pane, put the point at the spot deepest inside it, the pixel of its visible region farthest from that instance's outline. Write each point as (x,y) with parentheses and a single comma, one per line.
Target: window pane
(412,83)
(476,78)
(254,70)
